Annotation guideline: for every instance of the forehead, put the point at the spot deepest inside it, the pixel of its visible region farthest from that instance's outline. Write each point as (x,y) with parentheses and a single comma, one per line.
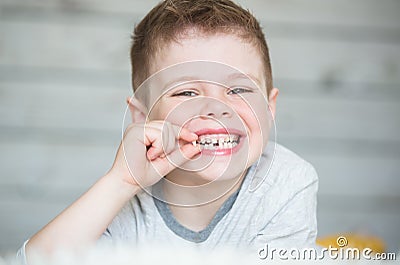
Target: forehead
(225,49)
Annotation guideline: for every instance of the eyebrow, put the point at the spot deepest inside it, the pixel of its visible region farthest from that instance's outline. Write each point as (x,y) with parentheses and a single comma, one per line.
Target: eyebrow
(178,80)
(184,79)
(245,76)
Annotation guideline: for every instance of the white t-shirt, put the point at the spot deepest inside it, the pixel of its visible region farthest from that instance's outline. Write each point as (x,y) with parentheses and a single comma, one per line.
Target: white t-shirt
(275,205)
(281,211)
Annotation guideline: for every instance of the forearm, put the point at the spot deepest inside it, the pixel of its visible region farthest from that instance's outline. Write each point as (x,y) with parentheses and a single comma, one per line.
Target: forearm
(83,222)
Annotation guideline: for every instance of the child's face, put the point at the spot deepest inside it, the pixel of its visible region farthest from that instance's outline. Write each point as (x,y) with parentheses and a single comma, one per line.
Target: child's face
(238,108)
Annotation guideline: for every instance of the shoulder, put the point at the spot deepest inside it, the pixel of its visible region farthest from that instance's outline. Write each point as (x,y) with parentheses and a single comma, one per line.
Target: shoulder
(283,169)
(285,189)
(287,160)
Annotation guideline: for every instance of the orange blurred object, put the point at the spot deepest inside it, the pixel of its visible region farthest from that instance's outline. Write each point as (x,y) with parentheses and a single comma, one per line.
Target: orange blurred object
(350,240)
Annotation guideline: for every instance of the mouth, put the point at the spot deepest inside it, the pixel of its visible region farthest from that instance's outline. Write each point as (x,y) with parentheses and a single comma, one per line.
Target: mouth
(218,141)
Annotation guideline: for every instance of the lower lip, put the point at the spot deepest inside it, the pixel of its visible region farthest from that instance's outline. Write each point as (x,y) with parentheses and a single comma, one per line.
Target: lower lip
(223,152)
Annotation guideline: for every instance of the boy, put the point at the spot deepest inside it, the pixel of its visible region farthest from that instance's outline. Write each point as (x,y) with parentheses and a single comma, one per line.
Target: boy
(192,167)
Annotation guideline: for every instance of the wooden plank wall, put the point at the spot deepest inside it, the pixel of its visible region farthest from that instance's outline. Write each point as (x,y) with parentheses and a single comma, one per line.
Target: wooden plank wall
(64,76)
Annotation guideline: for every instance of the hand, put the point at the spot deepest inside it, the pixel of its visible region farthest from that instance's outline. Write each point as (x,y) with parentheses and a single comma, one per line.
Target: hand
(146,150)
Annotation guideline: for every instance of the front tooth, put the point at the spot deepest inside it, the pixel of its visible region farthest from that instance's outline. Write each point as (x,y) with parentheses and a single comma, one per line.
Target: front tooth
(229,145)
(194,143)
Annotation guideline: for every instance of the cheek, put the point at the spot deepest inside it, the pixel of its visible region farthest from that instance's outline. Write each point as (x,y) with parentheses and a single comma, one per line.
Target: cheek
(255,116)
(171,111)
(159,111)
(257,120)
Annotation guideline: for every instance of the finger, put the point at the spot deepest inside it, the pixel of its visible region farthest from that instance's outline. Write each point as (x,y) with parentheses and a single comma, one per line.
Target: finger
(169,138)
(165,145)
(170,134)
(188,151)
(177,158)
(154,142)
(184,134)
(154,152)
(179,131)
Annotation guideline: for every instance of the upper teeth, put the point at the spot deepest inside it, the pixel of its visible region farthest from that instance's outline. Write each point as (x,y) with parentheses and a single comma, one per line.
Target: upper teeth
(220,140)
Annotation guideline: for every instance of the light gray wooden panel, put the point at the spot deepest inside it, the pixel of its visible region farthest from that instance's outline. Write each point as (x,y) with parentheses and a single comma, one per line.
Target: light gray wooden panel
(338,119)
(335,89)
(274,26)
(99,6)
(63,166)
(309,147)
(368,13)
(358,204)
(346,175)
(335,61)
(351,168)
(73,77)
(62,106)
(64,46)
(95,47)
(21,219)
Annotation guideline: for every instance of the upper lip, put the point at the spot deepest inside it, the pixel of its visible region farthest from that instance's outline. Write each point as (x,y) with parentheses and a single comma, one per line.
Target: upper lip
(219,131)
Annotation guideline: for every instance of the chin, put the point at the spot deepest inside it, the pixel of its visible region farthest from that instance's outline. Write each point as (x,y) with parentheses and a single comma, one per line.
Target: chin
(217,165)
(217,174)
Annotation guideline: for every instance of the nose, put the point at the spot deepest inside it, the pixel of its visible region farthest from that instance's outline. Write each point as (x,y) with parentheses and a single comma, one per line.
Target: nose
(216,109)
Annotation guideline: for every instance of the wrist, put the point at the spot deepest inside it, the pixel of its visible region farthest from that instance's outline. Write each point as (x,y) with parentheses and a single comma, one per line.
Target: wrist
(121,186)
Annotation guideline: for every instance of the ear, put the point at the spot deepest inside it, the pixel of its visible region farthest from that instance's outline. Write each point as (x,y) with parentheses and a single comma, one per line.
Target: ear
(137,109)
(273,95)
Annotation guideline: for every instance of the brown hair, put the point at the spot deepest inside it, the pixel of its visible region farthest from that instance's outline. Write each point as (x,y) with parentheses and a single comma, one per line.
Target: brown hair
(172,18)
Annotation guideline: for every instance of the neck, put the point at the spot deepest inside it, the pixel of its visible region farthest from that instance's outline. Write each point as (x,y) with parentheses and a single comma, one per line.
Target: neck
(195,206)
(188,189)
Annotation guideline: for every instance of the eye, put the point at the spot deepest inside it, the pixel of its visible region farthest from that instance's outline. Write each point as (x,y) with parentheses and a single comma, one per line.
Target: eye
(238,90)
(186,93)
